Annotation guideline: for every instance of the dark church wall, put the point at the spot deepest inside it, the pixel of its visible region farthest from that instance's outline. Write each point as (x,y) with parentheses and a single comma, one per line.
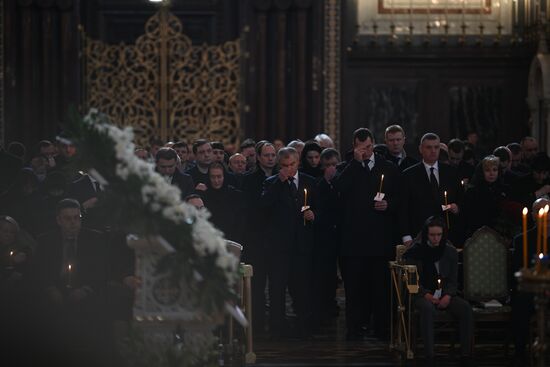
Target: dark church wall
(41,66)
(448,90)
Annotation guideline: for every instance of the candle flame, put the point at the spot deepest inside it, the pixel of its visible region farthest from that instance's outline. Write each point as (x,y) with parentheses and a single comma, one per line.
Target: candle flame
(382,176)
(11,253)
(305,191)
(445,193)
(462,182)
(541,256)
(69,267)
(525,211)
(541,212)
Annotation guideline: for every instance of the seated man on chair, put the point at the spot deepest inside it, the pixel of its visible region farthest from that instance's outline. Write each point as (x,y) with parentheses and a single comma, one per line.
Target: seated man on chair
(437,263)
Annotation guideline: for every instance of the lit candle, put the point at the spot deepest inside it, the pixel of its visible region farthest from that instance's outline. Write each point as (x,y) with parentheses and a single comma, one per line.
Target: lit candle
(439,283)
(545,231)
(524,217)
(305,204)
(447,211)
(381,182)
(69,271)
(539,229)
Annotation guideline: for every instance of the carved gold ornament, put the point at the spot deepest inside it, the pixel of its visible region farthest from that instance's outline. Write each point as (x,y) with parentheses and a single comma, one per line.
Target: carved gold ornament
(165,87)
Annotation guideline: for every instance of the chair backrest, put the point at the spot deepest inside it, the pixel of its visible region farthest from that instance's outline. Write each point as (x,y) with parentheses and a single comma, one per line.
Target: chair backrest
(399,251)
(485,262)
(234,248)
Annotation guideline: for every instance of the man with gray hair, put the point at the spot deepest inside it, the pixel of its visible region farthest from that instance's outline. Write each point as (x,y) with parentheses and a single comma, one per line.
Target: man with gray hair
(289,200)
(324,141)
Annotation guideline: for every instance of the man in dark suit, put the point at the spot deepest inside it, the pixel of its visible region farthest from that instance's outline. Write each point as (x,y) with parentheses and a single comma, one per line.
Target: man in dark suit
(368,237)
(290,240)
(71,275)
(395,141)
(254,252)
(166,164)
(424,187)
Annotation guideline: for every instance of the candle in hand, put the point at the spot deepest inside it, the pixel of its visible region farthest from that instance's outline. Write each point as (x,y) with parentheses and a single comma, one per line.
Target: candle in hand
(305,197)
(69,271)
(524,225)
(381,183)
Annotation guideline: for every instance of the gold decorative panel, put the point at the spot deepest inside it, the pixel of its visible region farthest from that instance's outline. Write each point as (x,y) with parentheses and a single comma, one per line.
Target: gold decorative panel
(164,86)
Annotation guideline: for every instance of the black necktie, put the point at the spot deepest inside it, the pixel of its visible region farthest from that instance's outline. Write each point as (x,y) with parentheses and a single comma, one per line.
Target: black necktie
(292,186)
(433,181)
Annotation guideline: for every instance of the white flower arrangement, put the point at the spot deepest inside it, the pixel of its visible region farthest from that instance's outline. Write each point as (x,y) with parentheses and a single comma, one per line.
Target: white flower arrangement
(161,197)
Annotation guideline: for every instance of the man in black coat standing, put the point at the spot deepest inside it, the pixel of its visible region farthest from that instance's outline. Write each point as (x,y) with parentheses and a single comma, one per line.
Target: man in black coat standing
(394,136)
(424,188)
(368,237)
(290,210)
(166,164)
(254,234)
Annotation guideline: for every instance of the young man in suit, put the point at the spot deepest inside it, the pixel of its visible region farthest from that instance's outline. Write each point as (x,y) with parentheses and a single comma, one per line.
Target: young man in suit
(166,164)
(424,187)
(290,216)
(394,136)
(368,236)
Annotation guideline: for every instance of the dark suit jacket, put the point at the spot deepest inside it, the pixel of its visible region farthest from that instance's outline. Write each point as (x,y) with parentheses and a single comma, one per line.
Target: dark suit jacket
(366,231)
(256,216)
(286,231)
(90,268)
(184,182)
(405,163)
(419,202)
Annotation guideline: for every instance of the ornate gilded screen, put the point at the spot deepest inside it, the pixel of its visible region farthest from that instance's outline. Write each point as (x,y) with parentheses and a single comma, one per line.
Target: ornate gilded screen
(164,86)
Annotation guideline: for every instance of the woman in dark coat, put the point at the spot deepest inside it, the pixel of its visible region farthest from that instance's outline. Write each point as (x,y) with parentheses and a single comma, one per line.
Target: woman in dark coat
(225,203)
(310,161)
(486,202)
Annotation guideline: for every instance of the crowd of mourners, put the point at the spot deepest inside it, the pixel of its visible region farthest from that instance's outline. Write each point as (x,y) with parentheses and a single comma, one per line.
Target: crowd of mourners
(308,216)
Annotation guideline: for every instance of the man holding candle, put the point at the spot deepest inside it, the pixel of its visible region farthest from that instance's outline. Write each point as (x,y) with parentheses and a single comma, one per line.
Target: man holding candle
(424,185)
(71,272)
(527,245)
(290,216)
(368,235)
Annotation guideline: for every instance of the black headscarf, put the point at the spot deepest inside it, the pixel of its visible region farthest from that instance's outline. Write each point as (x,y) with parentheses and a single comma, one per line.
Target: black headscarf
(428,255)
(305,166)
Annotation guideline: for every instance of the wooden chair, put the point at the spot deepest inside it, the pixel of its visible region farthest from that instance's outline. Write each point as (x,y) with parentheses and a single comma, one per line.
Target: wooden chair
(486,264)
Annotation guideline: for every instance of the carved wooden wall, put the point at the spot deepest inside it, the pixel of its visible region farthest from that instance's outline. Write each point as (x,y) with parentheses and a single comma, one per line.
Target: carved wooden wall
(41,66)
(284,90)
(449,90)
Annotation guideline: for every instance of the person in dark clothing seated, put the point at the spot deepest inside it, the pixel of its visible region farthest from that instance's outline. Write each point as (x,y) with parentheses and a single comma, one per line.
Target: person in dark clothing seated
(225,203)
(486,202)
(70,279)
(310,159)
(437,263)
(166,164)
